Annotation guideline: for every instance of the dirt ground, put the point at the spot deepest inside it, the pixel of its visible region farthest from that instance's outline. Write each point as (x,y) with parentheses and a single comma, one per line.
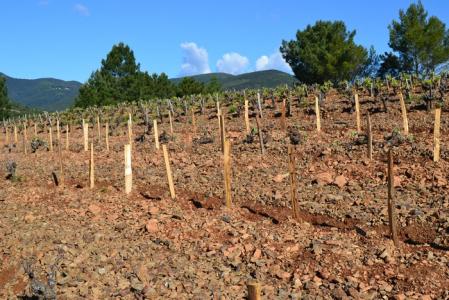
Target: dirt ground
(73,242)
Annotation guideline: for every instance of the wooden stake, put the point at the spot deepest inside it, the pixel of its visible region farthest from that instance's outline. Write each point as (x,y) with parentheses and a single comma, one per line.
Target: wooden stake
(67,137)
(171,123)
(317,112)
(254,289)
(248,128)
(15,135)
(259,130)
(369,134)
(7,135)
(404,114)
(227,172)
(219,122)
(130,130)
(189,142)
(283,116)
(61,173)
(436,135)
(35,130)
(357,113)
(106,134)
(91,167)
(98,128)
(58,131)
(222,133)
(391,214)
(25,138)
(292,170)
(168,169)
(50,138)
(156,134)
(128,170)
(193,121)
(259,104)
(86,136)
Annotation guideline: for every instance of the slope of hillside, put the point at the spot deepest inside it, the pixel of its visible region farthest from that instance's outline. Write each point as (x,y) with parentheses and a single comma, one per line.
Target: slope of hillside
(259,79)
(43,93)
(53,94)
(222,77)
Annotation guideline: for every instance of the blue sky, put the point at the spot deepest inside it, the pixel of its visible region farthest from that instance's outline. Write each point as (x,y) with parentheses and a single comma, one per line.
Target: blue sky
(68,39)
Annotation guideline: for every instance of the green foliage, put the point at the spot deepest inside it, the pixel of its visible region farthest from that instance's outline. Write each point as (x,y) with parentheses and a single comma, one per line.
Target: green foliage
(232,108)
(120,80)
(189,86)
(372,64)
(324,51)
(9,109)
(252,80)
(213,86)
(44,93)
(326,87)
(390,65)
(156,86)
(4,100)
(421,42)
(367,83)
(117,80)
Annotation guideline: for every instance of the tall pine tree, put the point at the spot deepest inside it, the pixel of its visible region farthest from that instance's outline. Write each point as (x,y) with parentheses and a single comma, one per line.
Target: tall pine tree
(5,105)
(421,42)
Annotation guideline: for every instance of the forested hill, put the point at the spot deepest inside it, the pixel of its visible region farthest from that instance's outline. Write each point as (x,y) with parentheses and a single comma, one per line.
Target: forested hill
(252,80)
(54,94)
(44,93)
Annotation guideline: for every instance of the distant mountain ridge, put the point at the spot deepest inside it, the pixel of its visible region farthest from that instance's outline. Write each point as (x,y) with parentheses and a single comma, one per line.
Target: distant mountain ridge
(252,80)
(52,94)
(44,93)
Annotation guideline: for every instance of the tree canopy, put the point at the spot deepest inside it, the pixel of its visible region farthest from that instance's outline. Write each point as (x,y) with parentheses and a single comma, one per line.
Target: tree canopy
(190,86)
(120,79)
(421,42)
(390,65)
(325,51)
(5,105)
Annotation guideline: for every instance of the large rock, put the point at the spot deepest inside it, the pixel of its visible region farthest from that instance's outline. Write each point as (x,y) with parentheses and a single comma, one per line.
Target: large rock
(340,181)
(152,226)
(323,178)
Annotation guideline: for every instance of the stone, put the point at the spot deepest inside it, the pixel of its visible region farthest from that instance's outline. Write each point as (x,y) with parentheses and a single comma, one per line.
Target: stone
(397,180)
(257,254)
(136,284)
(94,209)
(339,293)
(142,273)
(323,178)
(29,218)
(101,271)
(386,255)
(340,181)
(280,177)
(153,210)
(152,226)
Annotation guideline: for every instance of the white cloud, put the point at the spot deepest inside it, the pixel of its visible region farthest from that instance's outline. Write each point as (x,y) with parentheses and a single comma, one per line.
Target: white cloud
(82,9)
(195,60)
(273,62)
(232,63)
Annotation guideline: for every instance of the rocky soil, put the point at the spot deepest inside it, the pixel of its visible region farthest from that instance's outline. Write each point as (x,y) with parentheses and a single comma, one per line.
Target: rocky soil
(73,242)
